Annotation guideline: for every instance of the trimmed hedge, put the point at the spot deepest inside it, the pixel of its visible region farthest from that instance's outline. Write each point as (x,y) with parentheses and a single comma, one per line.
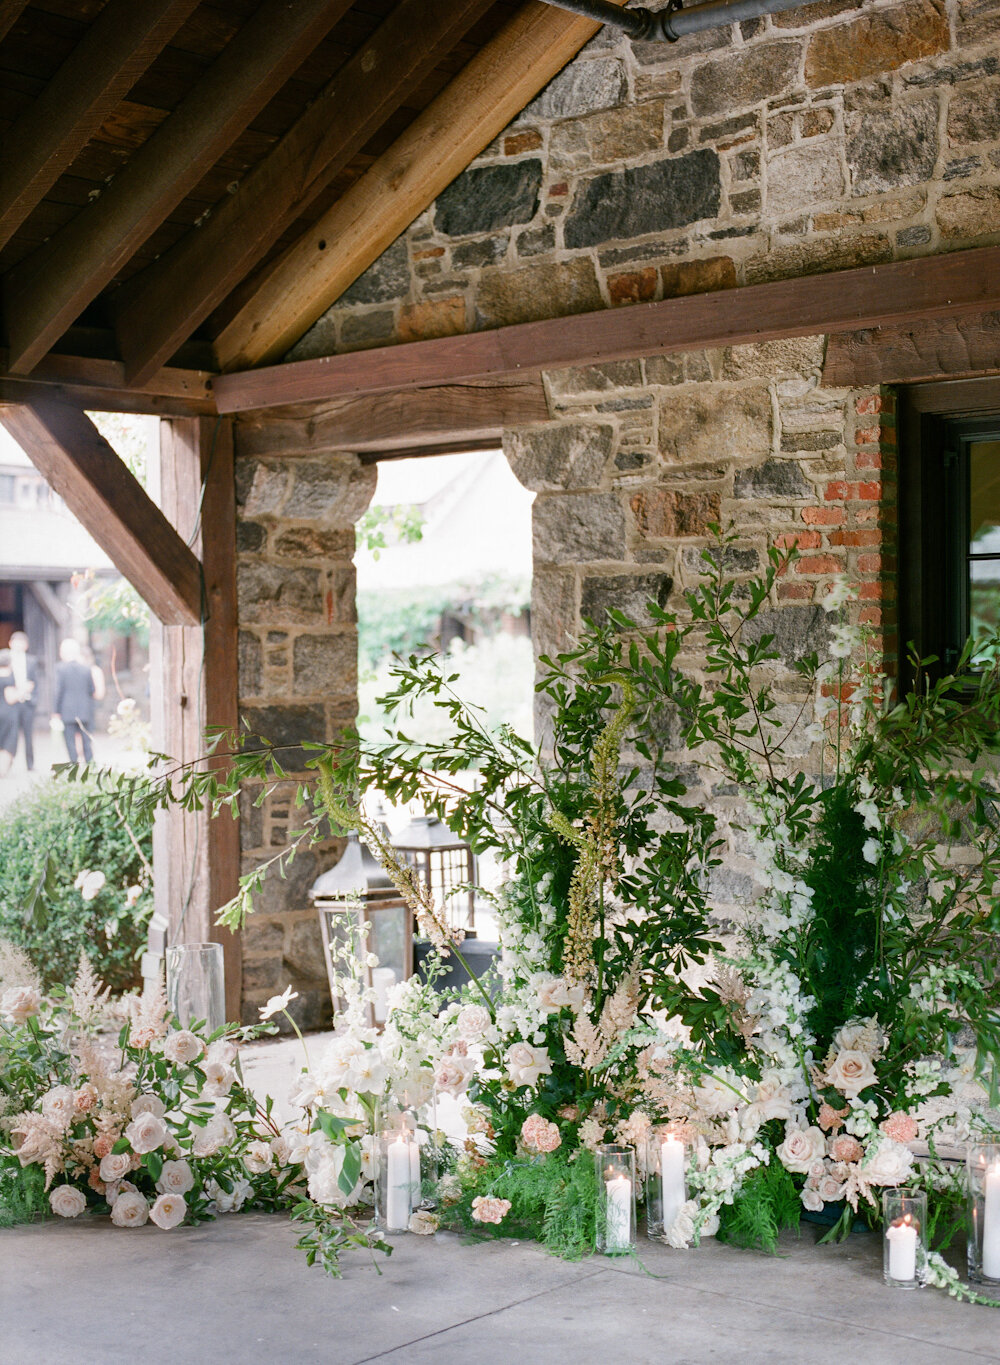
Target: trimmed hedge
(47,839)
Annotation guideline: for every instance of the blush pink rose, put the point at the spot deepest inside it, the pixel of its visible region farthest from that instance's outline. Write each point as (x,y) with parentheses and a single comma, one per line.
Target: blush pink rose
(129,1210)
(67,1202)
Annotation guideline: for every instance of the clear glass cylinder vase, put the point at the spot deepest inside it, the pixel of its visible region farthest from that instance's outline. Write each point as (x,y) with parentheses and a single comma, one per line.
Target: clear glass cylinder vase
(397,1192)
(196,984)
(666,1189)
(904,1232)
(615,1169)
(983,1175)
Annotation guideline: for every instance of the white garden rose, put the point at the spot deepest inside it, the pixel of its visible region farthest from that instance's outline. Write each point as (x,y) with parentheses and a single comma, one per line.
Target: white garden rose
(148,1104)
(801,1147)
(115,1166)
(851,1072)
(231,1201)
(182,1046)
(305,1091)
(280,1150)
(66,1201)
(451,1075)
(168,1211)
(811,1200)
(525,1064)
(222,1050)
(59,1105)
(890,1165)
(218,1132)
(19,1004)
(473,1021)
(129,1210)
(258,1157)
(219,1078)
(175,1178)
(558,994)
(146,1133)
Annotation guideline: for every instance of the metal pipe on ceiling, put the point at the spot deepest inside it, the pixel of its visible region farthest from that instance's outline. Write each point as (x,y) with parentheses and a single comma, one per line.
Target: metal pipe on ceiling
(673,22)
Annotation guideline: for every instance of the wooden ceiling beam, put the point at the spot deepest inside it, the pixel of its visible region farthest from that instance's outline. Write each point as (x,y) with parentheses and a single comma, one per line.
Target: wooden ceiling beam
(899,292)
(88,371)
(10,12)
(49,289)
(93,399)
(99,72)
(64,445)
(470,112)
(158,309)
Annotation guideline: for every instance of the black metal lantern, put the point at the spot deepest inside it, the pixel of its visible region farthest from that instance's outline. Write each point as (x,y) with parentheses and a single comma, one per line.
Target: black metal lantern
(356,893)
(443,863)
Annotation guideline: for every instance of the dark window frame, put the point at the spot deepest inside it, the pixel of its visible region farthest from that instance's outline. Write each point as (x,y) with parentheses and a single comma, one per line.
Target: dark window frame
(935,420)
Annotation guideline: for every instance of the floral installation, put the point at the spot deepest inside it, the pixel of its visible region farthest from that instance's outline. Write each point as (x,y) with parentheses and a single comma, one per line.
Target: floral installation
(834,1042)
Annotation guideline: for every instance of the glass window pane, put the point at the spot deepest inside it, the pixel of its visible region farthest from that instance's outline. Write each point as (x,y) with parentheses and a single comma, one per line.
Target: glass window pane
(984,498)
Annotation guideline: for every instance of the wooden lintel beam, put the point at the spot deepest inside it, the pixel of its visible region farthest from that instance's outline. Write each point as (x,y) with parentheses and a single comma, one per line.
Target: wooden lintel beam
(65,446)
(931,348)
(46,291)
(91,372)
(896,293)
(159,308)
(470,112)
(99,72)
(93,399)
(456,415)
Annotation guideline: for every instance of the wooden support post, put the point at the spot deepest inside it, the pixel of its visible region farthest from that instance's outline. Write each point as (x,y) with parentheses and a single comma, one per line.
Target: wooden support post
(194,681)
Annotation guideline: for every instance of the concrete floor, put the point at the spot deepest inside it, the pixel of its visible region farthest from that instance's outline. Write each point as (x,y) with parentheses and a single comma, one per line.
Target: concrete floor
(86,1293)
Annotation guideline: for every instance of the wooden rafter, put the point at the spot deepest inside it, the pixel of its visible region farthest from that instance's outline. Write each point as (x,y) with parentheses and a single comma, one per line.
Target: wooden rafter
(65,446)
(899,292)
(10,12)
(158,309)
(469,113)
(48,290)
(101,69)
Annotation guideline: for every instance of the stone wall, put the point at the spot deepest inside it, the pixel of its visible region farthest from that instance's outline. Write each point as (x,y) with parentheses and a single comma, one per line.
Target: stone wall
(829,136)
(296,510)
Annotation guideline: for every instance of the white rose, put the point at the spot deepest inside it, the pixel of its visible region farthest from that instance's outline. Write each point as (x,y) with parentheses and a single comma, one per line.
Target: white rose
(525,1064)
(831,1189)
(115,1166)
(175,1178)
(182,1046)
(811,1200)
(424,1223)
(473,1021)
(558,994)
(801,1147)
(129,1210)
(168,1211)
(222,1050)
(714,1097)
(67,1202)
(281,1150)
(860,1035)
(19,1004)
(233,1201)
(219,1078)
(148,1104)
(147,1132)
(257,1158)
(451,1075)
(851,1072)
(59,1105)
(890,1165)
(218,1132)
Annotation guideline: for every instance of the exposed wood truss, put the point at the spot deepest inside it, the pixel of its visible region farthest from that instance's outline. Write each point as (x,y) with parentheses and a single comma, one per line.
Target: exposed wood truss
(100,491)
(468,115)
(161,307)
(114,53)
(48,290)
(896,293)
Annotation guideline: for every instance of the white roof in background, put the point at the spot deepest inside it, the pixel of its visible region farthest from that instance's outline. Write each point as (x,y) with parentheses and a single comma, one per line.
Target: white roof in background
(477,521)
(41,538)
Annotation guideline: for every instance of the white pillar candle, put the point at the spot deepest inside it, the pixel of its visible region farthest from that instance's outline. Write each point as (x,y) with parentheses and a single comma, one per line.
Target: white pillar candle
(672,1189)
(397,1200)
(902,1239)
(414,1172)
(618,1206)
(991,1223)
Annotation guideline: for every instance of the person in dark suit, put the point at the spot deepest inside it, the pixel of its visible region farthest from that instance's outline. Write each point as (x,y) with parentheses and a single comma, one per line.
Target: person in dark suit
(8,720)
(25,668)
(75,702)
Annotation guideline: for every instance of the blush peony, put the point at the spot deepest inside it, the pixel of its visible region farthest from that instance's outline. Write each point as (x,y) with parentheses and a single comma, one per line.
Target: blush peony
(539,1135)
(890,1165)
(488,1210)
(67,1202)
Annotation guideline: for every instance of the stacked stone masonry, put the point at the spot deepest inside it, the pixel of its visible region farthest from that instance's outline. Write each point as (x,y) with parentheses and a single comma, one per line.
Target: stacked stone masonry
(297,679)
(830,136)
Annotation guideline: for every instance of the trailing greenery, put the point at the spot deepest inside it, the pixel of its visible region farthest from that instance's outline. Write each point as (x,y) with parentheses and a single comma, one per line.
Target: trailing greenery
(767,1205)
(22,1195)
(52,835)
(553,1200)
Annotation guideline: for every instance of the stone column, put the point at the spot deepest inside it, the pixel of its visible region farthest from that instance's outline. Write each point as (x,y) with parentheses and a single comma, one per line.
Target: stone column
(296,512)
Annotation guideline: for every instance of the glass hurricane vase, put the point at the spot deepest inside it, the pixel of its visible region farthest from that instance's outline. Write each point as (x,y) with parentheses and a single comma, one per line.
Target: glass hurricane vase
(615,1170)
